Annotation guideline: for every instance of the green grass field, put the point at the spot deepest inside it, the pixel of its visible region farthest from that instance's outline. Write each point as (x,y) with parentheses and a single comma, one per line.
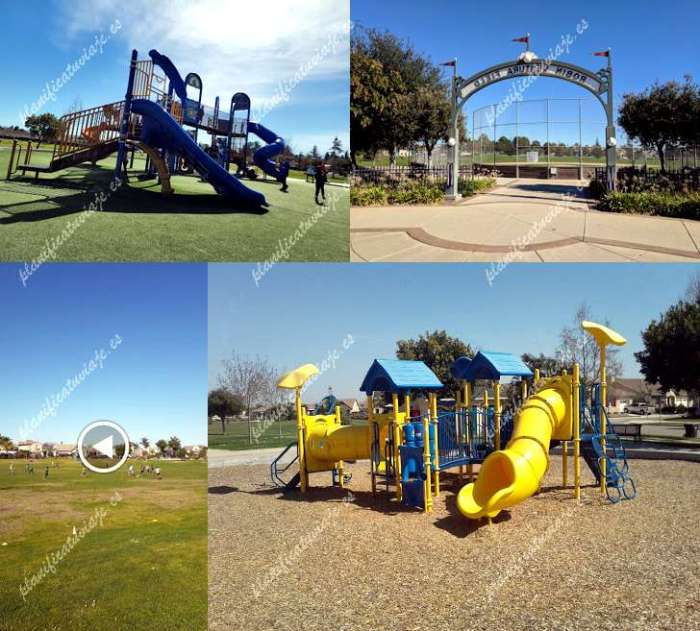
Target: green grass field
(145,566)
(238,436)
(487,158)
(140,224)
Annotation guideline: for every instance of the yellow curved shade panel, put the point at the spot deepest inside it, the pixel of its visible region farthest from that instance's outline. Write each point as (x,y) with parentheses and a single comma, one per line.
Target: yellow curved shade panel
(297,377)
(602,334)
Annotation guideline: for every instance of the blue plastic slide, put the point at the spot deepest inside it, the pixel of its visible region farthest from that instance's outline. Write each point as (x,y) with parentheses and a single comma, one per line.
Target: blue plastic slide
(263,157)
(162,131)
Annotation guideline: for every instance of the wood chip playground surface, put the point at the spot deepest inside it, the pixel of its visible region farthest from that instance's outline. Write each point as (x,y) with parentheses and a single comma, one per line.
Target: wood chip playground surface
(319,562)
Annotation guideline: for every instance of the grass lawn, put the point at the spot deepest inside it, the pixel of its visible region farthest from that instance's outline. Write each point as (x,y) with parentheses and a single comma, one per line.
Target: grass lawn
(487,158)
(237,436)
(140,224)
(144,566)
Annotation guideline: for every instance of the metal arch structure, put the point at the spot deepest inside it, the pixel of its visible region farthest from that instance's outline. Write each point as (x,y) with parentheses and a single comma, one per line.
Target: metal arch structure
(599,83)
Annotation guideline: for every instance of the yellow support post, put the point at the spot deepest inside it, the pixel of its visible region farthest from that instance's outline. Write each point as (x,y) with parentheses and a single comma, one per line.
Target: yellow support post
(339,464)
(468,405)
(370,423)
(396,437)
(523,390)
(303,477)
(577,432)
(434,420)
(426,464)
(603,421)
(407,406)
(565,463)
(603,336)
(497,413)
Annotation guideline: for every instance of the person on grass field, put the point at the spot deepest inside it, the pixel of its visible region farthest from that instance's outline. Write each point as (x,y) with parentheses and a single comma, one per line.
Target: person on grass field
(284,171)
(321,178)
(12,469)
(157,472)
(46,471)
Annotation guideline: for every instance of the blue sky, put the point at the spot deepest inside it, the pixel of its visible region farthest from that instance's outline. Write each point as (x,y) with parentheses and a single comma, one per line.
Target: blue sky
(153,382)
(651,41)
(234,47)
(301,313)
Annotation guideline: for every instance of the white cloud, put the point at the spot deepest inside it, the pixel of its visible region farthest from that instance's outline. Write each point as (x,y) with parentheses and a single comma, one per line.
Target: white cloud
(234,45)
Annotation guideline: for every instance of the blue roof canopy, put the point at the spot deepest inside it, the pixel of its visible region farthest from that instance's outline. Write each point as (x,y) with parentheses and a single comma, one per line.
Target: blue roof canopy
(489,365)
(399,375)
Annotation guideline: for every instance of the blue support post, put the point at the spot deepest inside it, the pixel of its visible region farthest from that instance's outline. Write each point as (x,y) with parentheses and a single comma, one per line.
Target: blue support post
(126,115)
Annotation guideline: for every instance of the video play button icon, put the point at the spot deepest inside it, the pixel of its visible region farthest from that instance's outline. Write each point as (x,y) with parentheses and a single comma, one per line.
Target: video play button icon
(103,446)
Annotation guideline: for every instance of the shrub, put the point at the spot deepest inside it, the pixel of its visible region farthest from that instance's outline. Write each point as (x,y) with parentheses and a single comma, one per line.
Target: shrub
(597,189)
(471,187)
(683,206)
(368,196)
(408,193)
(416,194)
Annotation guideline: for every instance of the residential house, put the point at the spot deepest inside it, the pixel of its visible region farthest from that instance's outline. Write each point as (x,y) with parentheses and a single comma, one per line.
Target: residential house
(623,392)
(352,406)
(61,450)
(30,448)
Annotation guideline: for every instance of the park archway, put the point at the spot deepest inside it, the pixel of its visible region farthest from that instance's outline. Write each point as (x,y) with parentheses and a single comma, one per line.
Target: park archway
(530,68)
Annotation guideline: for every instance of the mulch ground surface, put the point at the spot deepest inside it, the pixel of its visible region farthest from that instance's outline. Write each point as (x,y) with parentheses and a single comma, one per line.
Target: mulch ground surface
(343,560)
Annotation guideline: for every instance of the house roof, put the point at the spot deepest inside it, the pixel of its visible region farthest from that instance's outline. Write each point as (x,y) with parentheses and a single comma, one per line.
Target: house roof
(64,447)
(632,387)
(489,365)
(348,402)
(9,132)
(399,375)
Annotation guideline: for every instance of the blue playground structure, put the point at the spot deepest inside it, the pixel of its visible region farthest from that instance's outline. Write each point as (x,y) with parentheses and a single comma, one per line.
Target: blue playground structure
(158,118)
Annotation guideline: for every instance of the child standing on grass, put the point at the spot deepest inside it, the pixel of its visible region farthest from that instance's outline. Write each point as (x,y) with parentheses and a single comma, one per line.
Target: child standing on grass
(46,472)
(12,469)
(321,177)
(158,473)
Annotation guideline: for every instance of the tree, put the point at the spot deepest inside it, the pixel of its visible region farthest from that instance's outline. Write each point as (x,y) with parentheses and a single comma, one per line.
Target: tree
(315,155)
(671,354)
(504,145)
(145,443)
(174,444)
(662,116)
(439,351)
(387,75)
(6,443)
(44,126)
(223,403)
(161,444)
(433,114)
(575,345)
(336,147)
(548,366)
(253,380)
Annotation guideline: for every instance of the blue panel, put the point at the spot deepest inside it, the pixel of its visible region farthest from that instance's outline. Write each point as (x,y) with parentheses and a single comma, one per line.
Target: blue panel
(399,375)
(490,365)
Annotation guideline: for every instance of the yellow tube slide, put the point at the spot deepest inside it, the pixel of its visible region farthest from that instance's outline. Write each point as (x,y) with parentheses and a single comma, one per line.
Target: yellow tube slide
(335,443)
(512,475)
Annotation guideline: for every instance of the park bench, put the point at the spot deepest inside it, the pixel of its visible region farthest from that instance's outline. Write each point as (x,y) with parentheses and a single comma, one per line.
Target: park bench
(629,429)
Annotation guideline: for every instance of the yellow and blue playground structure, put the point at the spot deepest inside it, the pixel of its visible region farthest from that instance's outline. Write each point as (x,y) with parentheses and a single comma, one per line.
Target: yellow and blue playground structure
(411,444)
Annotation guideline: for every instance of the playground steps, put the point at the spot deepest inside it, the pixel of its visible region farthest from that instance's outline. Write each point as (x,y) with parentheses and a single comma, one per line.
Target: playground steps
(90,154)
(619,482)
(279,470)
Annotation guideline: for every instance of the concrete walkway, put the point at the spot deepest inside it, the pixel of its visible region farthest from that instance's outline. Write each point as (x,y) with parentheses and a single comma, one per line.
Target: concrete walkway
(225,458)
(519,221)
